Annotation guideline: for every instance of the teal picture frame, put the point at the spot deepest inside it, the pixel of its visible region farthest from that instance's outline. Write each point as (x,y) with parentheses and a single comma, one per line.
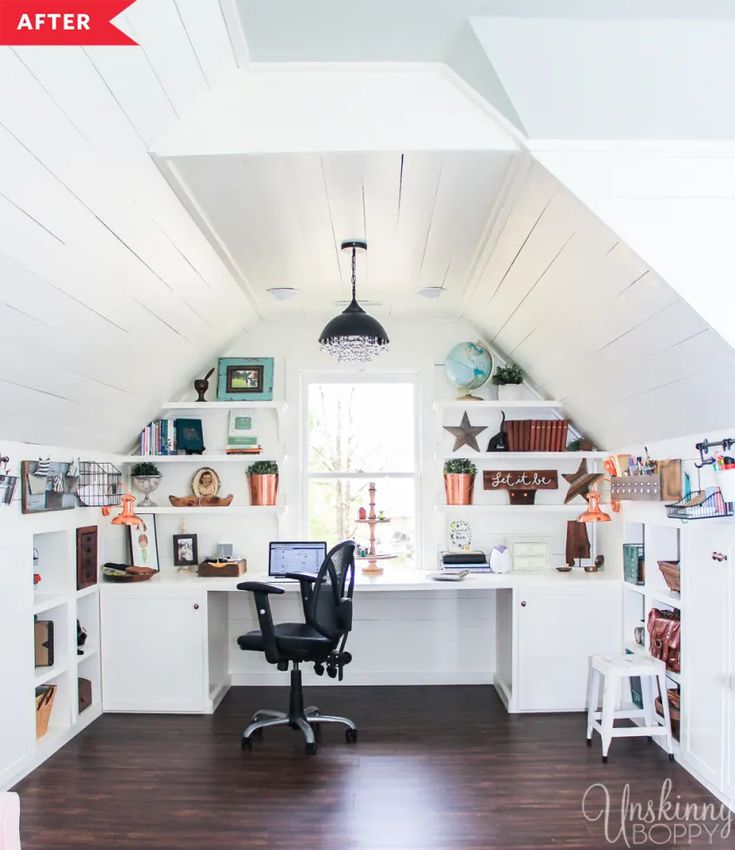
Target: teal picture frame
(245,379)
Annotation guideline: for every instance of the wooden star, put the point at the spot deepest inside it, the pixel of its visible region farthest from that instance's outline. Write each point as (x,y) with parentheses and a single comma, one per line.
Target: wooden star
(580,482)
(465,434)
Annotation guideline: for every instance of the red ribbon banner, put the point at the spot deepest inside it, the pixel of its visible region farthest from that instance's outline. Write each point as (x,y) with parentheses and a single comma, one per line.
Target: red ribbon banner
(62,22)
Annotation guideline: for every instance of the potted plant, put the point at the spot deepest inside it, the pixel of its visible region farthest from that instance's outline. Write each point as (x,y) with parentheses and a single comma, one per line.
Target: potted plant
(509,381)
(263,480)
(145,477)
(459,479)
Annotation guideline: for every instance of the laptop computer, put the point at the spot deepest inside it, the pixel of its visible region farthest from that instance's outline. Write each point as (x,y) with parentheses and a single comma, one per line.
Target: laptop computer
(294,557)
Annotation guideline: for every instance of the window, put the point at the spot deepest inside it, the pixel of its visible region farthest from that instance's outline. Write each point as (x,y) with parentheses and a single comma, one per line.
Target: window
(358,431)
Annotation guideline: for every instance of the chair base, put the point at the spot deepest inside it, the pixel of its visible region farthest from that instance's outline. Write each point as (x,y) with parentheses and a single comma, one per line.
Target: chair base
(307,720)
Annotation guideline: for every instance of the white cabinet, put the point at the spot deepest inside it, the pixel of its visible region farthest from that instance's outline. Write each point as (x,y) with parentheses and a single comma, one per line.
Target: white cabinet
(730,690)
(706,577)
(154,649)
(17,733)
(558,629)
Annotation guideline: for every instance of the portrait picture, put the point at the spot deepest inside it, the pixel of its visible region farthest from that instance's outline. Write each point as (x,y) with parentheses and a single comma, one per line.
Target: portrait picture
(144,543)
(245,378)
(205,483)
(185,550)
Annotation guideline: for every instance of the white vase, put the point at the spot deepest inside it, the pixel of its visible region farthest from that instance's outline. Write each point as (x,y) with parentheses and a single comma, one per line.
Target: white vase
(510,392)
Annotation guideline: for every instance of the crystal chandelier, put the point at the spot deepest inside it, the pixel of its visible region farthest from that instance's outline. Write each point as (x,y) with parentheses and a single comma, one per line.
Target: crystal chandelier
(354,336)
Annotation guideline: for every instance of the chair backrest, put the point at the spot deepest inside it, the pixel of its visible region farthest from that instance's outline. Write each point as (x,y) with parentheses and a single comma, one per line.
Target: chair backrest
(329,606)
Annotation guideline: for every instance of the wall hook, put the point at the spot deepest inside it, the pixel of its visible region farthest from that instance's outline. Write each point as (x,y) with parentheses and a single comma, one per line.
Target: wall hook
(706,445)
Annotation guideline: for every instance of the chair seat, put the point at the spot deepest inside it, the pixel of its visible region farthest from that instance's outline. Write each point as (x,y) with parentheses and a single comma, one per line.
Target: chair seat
(294,640)
(624,666)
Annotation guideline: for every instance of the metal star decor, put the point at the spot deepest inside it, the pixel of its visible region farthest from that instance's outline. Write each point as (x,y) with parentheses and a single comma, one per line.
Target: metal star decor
(465,434)
(581,481)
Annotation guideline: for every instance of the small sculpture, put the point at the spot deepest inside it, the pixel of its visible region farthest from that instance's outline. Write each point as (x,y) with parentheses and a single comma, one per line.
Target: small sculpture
(205,487)
(201,385)
(498,442)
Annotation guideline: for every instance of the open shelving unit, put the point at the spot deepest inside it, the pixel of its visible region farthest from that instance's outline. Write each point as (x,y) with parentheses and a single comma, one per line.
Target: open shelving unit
(58,599)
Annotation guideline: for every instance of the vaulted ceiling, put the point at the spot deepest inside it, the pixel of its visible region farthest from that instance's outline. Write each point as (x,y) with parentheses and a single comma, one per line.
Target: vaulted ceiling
(150,196)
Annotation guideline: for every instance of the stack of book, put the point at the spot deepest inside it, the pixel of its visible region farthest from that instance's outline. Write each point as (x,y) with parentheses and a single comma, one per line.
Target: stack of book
(158,438)
(474,561)
(537,435)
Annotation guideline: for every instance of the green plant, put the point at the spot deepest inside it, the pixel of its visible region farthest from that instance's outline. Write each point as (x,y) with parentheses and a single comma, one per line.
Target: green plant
(263,467)
(459,466)
(146,468)
(511,373)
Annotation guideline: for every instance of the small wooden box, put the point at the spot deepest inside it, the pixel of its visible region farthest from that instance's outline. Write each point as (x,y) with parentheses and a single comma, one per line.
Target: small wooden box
(43,633)
(85,693)
(636,488)
(222,569)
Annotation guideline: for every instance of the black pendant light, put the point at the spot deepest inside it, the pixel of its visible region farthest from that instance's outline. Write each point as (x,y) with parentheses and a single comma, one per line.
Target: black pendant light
(353,336)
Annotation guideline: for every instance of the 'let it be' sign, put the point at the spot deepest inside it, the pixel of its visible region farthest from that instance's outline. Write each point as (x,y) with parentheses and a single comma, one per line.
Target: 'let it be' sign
(527,479)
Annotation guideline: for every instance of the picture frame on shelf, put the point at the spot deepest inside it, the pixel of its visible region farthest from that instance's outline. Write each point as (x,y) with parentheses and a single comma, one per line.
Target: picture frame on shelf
(143,542)
(186,554)
(245,379)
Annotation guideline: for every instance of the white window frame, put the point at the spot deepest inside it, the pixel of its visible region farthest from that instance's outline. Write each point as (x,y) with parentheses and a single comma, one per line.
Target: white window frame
(308,378)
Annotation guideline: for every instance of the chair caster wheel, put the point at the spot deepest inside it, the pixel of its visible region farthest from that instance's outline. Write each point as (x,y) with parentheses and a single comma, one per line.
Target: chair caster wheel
(671,757)
(310,749)
(589,742)
(351,736)
(246,744)
(604,759)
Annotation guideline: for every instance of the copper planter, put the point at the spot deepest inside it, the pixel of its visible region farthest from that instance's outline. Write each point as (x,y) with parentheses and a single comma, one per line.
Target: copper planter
(263,489)
(458,488)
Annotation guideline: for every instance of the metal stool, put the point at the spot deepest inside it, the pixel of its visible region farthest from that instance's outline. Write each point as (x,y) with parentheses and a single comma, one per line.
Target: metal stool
(611,669)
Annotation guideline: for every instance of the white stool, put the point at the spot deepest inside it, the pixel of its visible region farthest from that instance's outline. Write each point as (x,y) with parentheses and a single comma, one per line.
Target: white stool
(611,669)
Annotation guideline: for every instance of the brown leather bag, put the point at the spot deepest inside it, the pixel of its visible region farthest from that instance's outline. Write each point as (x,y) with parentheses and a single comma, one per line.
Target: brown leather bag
(664,632)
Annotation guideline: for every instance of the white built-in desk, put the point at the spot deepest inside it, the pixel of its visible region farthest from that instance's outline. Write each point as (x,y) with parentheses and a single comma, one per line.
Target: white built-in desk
(169,643)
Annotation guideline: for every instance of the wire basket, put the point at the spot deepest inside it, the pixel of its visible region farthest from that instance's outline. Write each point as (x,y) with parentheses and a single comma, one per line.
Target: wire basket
(100,484)
(700,505)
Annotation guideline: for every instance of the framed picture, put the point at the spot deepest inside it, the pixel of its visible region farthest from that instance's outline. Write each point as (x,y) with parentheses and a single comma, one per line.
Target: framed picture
(47,487)
(189,436)
(185,550)
(245,378)
(144,543)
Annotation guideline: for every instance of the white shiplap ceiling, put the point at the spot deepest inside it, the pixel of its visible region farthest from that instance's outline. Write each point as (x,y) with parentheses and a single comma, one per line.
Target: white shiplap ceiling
(278,221)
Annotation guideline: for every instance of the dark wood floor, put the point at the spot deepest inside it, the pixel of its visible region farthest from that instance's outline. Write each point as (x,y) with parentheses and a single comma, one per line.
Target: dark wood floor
(434,768)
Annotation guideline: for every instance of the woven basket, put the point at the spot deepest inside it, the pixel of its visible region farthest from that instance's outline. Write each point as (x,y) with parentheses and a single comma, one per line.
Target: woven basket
(671,572)
(45,696)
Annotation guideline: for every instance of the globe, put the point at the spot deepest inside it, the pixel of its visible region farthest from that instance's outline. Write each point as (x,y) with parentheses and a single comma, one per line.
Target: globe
(468,366)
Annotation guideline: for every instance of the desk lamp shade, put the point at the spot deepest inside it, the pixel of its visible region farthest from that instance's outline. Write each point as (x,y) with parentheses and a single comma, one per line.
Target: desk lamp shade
(593,512)
(127,516)
(354,336)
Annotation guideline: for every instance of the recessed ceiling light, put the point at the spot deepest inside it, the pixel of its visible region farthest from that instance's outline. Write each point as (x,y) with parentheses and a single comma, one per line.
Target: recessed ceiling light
(282,293)
(431,291)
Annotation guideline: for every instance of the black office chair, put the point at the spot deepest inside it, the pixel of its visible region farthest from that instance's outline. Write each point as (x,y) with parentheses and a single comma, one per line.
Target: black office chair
(327,602)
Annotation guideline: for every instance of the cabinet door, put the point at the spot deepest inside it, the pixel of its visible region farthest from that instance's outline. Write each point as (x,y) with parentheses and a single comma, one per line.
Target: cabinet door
(153,648)
(558,630)
(705,577)
(16,661)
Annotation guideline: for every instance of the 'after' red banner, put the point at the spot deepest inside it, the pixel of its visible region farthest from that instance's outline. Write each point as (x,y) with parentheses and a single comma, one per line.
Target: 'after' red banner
(62,22)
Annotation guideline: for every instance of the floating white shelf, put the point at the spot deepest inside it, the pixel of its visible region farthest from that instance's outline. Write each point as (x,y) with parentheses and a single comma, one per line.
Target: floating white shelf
(494,404)
(87,591)
(199,459)
(90,650)
(636,588)
(513,509)
(497,457)
(665,597)
(46,601)
(223,511)
(45,674)
(278,406)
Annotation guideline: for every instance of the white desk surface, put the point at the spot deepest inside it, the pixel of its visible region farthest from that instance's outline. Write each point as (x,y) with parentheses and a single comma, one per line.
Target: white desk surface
(394,579)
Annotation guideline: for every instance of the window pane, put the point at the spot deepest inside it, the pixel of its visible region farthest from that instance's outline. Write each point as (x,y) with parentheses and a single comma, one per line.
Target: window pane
(333,509)
(361,427)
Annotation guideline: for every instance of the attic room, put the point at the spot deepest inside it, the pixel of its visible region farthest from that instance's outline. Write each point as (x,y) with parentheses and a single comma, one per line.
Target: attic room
(372,359)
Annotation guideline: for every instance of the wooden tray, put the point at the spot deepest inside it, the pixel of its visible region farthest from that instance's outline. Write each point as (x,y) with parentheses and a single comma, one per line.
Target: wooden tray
(222,569)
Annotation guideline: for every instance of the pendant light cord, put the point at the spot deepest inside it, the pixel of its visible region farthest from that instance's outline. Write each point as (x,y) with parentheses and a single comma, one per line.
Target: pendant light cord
(354,274)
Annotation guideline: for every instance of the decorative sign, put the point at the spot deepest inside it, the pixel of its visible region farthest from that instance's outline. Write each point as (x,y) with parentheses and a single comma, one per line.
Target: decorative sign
(62,22)
(527,479)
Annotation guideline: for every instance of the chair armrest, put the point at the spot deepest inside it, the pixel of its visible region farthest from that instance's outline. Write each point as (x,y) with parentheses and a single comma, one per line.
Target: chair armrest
(261,591)
(259,587)
(310,577)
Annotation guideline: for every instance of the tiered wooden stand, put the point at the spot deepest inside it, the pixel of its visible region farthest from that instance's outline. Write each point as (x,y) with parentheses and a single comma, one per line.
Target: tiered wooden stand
(372,568)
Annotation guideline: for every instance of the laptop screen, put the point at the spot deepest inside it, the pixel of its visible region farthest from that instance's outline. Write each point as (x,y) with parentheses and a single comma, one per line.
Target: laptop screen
(295,558)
